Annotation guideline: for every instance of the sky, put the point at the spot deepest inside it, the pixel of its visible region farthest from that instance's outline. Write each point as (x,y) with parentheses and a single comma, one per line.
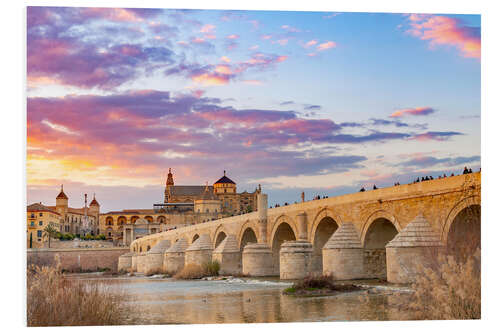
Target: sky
(320,102)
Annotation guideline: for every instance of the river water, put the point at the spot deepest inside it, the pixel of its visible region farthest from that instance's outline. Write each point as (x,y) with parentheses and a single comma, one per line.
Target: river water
(153,300)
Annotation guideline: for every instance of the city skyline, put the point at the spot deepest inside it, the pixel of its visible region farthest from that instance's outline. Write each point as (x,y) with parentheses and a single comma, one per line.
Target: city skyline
(315,101)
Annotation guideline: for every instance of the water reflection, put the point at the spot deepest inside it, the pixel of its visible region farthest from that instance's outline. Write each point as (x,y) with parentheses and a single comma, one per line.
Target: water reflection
(166,301)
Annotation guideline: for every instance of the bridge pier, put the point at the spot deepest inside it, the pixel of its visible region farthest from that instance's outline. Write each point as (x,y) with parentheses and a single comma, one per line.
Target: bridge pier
(257,260)
(134,262)
(200,252)
(343,254)
(228,255)
(154,257)
(141,262)
(295,259)
(125,262)
(416,247)
(173,260)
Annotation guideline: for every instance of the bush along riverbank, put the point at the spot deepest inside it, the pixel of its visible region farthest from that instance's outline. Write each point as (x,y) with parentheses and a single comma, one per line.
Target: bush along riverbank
(323,285)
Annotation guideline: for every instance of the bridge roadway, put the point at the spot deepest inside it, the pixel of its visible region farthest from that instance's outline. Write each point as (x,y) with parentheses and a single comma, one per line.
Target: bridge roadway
(366,223)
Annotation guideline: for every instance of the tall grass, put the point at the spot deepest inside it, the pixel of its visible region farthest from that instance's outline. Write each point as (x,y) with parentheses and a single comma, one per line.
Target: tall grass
(193,271)
(53,300)
(452,291)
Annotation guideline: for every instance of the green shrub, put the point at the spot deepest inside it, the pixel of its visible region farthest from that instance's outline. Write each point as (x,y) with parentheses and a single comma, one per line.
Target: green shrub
(212,268)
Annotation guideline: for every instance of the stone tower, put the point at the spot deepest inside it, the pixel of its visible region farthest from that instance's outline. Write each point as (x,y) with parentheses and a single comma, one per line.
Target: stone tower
(94,208)
(62,203)
(170,182)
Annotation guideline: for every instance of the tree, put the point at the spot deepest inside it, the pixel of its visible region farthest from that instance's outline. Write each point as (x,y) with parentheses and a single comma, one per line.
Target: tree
(50,232)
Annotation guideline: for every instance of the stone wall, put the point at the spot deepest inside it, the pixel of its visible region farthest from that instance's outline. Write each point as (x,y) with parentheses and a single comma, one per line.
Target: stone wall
(77,259)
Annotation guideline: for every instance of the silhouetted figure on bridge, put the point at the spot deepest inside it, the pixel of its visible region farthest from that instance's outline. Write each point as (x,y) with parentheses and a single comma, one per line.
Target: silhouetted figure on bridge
(470,170)
(374,187)
(362,189)
(466,171)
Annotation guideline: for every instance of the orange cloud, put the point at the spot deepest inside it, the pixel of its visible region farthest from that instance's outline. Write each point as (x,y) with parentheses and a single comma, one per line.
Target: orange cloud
(311,43)
(223,69)
(420,111)
(443,30)
(209,79)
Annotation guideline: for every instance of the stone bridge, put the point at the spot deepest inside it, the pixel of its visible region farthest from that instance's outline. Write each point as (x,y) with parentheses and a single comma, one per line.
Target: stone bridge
(384,233)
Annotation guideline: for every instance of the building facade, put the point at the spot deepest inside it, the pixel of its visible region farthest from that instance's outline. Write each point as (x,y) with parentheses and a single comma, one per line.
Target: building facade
(182,205)
(38,218)
(78,221)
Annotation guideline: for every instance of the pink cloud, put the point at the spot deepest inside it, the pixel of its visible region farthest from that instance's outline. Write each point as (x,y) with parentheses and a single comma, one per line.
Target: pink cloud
(233,36)
(311,43)
(443,30)
(207,28)
(420,111)
(326,45)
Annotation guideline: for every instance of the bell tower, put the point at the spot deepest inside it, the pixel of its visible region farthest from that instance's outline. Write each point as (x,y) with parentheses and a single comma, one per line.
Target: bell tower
(170,182)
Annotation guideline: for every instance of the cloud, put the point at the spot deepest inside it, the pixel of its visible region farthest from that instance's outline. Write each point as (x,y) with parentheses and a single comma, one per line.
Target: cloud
(429,161)
(326,45)
(312,107)
(438,136)
(420,111)
(311,43)
(233,36)
(86,57)
(444,30)
(207,29)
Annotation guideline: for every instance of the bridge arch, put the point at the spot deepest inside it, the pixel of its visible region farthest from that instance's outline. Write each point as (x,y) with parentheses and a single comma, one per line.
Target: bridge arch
(221,235)
(248,234)
(378,230)
(473,200)
(194,238)
(284,229)
(377,215)
(320,215)
(323,227)
(462,230)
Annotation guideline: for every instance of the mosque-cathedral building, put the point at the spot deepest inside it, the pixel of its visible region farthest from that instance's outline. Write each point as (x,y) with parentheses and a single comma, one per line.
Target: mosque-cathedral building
(182,205)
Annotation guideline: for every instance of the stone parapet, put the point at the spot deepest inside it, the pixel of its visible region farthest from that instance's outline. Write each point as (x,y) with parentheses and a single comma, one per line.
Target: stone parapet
(295,260)
(257,260)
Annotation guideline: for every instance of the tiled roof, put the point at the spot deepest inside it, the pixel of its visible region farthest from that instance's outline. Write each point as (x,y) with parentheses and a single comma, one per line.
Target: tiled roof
(191,190)
(38,207)
(224,180)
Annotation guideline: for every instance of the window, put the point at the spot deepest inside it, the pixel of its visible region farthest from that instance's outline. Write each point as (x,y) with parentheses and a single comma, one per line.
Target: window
(32,223)
(109,234)
(39,233)
(32,215)
(40,222)
(41,214)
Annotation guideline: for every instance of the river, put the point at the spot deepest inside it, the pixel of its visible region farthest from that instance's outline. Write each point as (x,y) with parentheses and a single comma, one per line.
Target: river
(154,300)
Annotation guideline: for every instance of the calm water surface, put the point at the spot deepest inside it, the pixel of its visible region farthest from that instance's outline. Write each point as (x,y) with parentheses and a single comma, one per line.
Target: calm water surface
(249,300)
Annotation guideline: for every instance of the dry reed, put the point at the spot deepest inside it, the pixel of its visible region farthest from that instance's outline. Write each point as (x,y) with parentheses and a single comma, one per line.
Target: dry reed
(54,300)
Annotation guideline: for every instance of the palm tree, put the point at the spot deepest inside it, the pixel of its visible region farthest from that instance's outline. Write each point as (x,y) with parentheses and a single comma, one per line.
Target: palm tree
(50,232)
